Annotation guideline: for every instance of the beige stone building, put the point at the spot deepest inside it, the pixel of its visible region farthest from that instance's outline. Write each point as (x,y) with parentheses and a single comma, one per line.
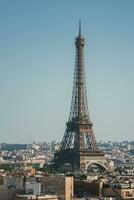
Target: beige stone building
(51,187)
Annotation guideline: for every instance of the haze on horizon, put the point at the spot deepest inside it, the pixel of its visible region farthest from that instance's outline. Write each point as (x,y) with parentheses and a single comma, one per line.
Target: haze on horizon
(37,56)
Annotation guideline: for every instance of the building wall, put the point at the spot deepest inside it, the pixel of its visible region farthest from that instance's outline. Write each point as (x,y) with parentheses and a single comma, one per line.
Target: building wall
(92,188)
(1,180)
(69,188)
(6,194)
(126,193)
(107,191)
(53,184)
(16,181)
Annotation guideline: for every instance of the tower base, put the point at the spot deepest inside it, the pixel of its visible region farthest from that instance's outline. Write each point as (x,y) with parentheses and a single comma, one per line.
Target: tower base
(80,159)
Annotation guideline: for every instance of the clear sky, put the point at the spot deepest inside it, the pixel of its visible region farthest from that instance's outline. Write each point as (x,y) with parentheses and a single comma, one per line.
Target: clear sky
(37,55)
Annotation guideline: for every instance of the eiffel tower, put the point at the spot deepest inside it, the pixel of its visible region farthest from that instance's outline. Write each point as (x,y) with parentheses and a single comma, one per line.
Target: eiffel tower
(78,146)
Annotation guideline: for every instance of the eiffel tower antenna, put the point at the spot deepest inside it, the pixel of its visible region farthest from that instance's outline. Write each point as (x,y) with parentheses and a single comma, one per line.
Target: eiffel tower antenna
(79,28)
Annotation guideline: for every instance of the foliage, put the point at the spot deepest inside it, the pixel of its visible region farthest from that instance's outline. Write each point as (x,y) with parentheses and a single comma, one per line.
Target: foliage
(7,167)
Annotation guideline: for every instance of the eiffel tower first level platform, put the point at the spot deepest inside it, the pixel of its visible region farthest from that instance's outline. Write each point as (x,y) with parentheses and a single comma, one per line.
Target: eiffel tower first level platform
(78,146)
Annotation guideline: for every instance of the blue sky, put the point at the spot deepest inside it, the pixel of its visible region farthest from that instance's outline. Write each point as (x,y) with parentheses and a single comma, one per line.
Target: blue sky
(37,55)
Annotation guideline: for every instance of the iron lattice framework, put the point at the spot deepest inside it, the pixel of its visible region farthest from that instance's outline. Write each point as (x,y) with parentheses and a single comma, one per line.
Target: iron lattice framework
(79,134)
(78,146)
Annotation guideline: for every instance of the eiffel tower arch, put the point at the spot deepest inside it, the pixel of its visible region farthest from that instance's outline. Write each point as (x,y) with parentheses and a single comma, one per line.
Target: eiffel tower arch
(78,146)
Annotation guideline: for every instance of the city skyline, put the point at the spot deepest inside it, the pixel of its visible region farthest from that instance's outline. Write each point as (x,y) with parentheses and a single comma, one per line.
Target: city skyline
(37,62)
